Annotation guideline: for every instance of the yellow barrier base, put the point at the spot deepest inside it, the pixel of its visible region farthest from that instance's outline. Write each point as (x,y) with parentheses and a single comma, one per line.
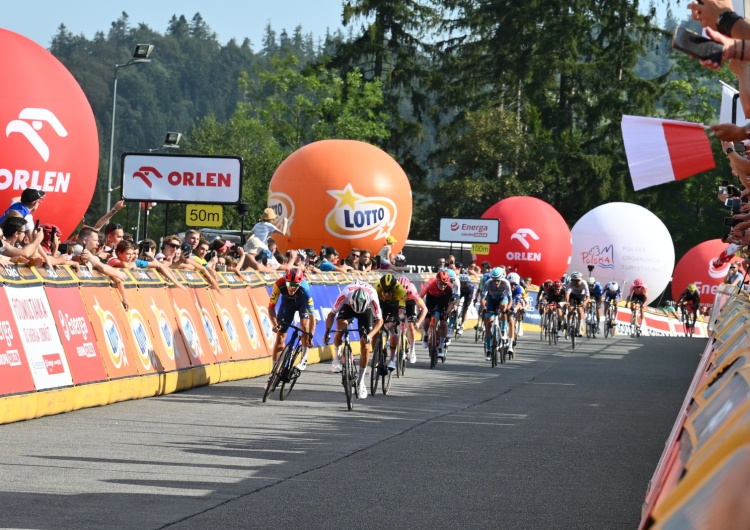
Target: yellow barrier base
(91,395)
(55,401)
(18,408)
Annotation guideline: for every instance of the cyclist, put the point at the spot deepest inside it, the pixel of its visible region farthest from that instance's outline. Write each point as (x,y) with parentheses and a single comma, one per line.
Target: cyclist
(543,296)
(456,284)
(577,293)
(517,303)
(413,300)
(556,295)
(392,298)
(468,293)
(496,297)
(638,295)
(360,301)
(612,292)
(296,297)
(438,296)
(690,300)
(595,292)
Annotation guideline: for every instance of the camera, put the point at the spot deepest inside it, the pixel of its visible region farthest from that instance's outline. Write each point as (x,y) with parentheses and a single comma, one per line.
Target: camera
(724,187)
(211,254)
(731,221)
(734,204)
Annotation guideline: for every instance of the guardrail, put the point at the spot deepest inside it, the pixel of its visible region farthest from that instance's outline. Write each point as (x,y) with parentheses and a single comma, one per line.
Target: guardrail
(703,475)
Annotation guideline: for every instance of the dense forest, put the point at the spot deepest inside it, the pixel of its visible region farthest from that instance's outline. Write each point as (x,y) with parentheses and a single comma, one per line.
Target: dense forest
(477,100)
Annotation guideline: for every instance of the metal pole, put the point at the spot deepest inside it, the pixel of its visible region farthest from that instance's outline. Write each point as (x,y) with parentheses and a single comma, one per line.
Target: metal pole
(166,220)
(112,142)
(145,221)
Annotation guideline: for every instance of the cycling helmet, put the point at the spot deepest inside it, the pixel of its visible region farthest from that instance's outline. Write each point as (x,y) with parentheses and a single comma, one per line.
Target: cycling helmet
(564,278)
(294,275)
(692,287)
(404,281)
(591,280)
(452,274)
(301,253)
(464,277)
(497,273)
(514,278)
(387,283)
(576,276)
(400,260)
(637,282)
(359,301)
(442,277)
(547,284)
(557,285)
(613,287)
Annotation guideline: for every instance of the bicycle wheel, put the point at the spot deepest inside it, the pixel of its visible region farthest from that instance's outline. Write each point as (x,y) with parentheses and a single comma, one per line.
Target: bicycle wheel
(543,326)
(575,326)
(347,375)
(432,344)
(287,384)
(401,353)
(273,378)
(386,373)
(376,364)
(495,343)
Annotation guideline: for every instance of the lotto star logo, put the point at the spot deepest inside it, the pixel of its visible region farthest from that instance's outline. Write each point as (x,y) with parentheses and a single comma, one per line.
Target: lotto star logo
(355,215)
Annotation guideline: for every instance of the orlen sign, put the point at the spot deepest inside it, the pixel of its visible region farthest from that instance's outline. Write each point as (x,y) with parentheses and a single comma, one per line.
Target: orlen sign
(469,230)
(48,137)
(181,178)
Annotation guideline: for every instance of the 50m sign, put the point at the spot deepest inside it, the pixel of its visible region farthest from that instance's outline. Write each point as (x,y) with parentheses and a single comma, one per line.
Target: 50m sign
(211,215)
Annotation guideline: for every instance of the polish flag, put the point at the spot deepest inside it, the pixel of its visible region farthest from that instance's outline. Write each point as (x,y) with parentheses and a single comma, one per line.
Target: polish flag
(660,151)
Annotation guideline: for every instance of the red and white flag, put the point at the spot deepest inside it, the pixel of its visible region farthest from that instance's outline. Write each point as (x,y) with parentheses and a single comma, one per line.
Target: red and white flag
(660,151)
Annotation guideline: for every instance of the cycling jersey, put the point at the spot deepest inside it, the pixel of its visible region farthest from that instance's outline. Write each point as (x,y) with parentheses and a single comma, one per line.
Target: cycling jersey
(301,301)
(694,297)
(344,299)
(517,295)
(431,288)
(399,295)
(638,291)
(609,295)
(496,291)
(596,291)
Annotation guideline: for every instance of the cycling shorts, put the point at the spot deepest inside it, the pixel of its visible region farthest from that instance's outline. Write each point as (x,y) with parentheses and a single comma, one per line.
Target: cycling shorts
(389,309)
(438,303)
(286,314)
(576,299)
(639,298)
(493,305)
(411,310)
(365,320)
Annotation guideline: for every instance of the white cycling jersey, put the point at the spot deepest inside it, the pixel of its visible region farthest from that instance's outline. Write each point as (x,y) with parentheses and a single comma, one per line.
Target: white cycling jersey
(346,296)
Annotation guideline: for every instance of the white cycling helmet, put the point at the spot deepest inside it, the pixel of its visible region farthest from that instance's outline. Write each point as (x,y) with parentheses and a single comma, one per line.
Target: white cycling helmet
(359,301)
(612,287)
(591,280)
(514,278)
(576,276)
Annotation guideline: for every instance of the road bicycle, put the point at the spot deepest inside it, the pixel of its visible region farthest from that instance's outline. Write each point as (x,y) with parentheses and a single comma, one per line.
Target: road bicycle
(610,319)
(518,315)
(499,340)
(688,319)
(542,308)
(551,323)
(285,371)
(433,340)
(635,326)
(380,356)
(479,328)
(349,371)
(455,321)
(592,325)
(402,351)
(574,325)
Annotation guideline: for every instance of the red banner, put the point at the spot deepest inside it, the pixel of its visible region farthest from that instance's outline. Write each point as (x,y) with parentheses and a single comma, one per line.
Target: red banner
(15,375)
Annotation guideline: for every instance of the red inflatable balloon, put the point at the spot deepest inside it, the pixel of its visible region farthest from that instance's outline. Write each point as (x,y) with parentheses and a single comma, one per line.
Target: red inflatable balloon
(50,141)
(696,267)
(343,194)
(534,239)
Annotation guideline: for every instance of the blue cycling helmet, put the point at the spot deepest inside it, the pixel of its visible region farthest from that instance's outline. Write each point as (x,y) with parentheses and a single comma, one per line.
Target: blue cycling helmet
(497,273)
(452,274)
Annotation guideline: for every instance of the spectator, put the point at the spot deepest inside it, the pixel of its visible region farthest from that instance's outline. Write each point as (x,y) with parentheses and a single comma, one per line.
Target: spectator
(330,262)
(365,261)
(128,256)
(386,255)
(88,240)
(113,234)
(192,237)
(440,265)
(265,227)
(119,205)
(451,263)
(733,276)
(30,201)
(14,234)
(352,260)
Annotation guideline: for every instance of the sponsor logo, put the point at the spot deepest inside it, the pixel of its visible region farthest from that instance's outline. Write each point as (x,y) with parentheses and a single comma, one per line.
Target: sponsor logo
(718,272)
(230,329)
(355,215)
(454,227)
(143,342)
(190,332)
(265,324)
(521,235)
(30,121)
(599,257)
(6,333)
(53,364)
(185,178)
(247,320)
(112,336)
(72,326)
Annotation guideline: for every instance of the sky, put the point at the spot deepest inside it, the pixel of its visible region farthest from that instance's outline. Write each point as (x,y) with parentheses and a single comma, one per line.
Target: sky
(39,20)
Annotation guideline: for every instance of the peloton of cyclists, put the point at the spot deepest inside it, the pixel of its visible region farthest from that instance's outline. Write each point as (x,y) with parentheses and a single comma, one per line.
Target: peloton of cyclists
(438,296)
(413,301)
(691,297)
(556,295)
(638,295)
(596,291)
(294,292)
(517,302)
(495,300)
(360,301)
(576,294)
(392,298)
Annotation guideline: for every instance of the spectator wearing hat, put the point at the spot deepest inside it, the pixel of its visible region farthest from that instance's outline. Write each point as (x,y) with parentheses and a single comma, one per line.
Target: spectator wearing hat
(385,255)
(30,200)
(265,227)
(330,262)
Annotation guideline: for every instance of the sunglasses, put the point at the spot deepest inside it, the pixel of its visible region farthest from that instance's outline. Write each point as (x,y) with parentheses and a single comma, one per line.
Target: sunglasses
(292,285)
(441,285)
(355,255)
(173,245)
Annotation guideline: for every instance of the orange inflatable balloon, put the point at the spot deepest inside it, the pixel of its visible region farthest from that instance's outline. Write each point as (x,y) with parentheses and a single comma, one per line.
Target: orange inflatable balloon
(343,194)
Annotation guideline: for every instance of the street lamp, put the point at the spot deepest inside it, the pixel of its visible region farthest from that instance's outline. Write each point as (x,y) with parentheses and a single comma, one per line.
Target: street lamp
(172,141)
(140,55)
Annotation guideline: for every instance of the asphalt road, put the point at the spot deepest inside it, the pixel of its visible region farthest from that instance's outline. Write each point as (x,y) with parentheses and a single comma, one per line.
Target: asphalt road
(554,439)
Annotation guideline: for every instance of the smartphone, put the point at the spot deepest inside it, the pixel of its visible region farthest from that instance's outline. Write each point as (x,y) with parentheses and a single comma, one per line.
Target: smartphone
(210,255)
(731,221)
(697,46)
(36,225)
(53,233)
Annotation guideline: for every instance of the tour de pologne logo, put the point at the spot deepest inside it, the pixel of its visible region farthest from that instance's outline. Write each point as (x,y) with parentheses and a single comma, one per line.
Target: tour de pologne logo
(283,205)
(355,215)
(597,256)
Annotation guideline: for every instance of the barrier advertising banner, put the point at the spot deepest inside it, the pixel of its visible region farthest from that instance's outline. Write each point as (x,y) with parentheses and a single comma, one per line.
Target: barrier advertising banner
(74,326)
(41,343)
(15,374)
(190,321)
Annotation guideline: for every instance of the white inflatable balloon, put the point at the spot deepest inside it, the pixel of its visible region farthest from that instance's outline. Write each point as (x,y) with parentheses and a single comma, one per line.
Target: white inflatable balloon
(623,242)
